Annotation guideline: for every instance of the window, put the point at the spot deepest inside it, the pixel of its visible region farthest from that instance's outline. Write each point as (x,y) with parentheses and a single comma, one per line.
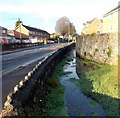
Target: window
(98,25)
(30,32)
(4,31)
(110,27)
(98,32)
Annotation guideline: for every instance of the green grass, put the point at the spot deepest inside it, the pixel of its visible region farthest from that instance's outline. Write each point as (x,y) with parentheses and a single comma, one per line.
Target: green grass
(56,103)
(58,71)
(102,86)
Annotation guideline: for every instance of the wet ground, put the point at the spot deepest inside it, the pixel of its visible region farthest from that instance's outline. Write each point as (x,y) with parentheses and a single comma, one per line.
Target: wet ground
(77,103)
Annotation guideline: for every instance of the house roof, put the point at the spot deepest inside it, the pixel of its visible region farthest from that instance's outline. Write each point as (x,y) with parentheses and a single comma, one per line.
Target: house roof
(101,20)
(3,27)
(34,29)
(118,7)
(89,22)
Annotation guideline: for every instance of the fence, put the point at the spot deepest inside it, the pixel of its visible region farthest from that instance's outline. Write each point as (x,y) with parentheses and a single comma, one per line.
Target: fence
(19,45)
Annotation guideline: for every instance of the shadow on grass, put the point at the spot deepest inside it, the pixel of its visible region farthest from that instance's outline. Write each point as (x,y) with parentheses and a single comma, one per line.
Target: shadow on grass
(110,104)
(95,83)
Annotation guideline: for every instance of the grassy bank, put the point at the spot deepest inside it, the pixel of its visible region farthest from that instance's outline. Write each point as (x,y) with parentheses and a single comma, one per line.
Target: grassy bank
(56,105)
(101,85)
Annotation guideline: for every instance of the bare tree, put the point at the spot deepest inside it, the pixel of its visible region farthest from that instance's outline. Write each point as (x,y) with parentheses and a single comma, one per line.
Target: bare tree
(72,29)
(64,26)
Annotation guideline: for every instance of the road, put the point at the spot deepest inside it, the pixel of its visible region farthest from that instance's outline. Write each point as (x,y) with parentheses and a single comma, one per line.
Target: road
(16,65)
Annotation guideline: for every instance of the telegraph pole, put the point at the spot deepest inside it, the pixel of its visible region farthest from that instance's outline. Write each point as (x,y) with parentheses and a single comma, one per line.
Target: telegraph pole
(20,32)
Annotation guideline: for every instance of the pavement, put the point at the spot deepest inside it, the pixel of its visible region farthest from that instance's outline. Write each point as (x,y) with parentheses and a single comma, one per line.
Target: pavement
(22,49)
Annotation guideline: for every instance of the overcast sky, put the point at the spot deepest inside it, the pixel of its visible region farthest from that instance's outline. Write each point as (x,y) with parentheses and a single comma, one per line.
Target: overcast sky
(44,13)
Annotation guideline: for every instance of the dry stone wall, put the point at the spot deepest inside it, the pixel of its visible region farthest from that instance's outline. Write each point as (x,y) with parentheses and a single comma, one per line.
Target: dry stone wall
(101,48)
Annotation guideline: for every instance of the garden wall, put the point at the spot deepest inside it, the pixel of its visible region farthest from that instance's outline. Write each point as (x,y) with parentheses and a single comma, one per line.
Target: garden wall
(101,48)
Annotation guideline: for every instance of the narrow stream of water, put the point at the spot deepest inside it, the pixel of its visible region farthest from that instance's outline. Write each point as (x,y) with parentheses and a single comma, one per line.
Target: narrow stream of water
(77,103)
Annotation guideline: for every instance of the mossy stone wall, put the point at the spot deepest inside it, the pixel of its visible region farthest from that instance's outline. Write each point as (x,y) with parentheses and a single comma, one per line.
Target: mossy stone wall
(101,48)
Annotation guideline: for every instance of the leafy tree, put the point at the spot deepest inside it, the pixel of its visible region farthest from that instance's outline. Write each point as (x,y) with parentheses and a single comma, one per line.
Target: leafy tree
(18,23)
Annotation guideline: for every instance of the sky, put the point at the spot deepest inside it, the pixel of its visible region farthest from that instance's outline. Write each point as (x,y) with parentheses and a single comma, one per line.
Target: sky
(44,13)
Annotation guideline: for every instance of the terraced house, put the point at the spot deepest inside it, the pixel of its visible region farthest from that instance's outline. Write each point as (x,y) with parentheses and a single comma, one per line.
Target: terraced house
(27,32)
(4,33)
(110,21)
(93,26)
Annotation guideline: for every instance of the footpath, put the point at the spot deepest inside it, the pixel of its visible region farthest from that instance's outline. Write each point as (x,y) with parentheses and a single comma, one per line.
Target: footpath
(22,49)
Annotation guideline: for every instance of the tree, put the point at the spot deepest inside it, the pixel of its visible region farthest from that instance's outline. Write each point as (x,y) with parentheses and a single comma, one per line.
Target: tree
(18,23)
(64,26)
(72,29)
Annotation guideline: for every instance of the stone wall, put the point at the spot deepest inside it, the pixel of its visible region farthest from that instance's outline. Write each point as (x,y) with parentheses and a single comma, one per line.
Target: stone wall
(101,48)
(33,84)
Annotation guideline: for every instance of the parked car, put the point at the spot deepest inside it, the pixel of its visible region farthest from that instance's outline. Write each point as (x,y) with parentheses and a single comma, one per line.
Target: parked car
(12,41)
(50,41)
(4,41)
(25,41)
(34,40)
(18,41)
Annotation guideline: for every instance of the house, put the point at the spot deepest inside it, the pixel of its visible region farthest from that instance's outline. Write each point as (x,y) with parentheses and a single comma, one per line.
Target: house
(54,35)
(93,26)
(10,32)
(31,33)
(110,21)
(4,33)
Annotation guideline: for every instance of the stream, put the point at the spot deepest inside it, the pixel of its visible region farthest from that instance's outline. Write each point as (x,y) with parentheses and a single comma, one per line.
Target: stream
(77,103)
